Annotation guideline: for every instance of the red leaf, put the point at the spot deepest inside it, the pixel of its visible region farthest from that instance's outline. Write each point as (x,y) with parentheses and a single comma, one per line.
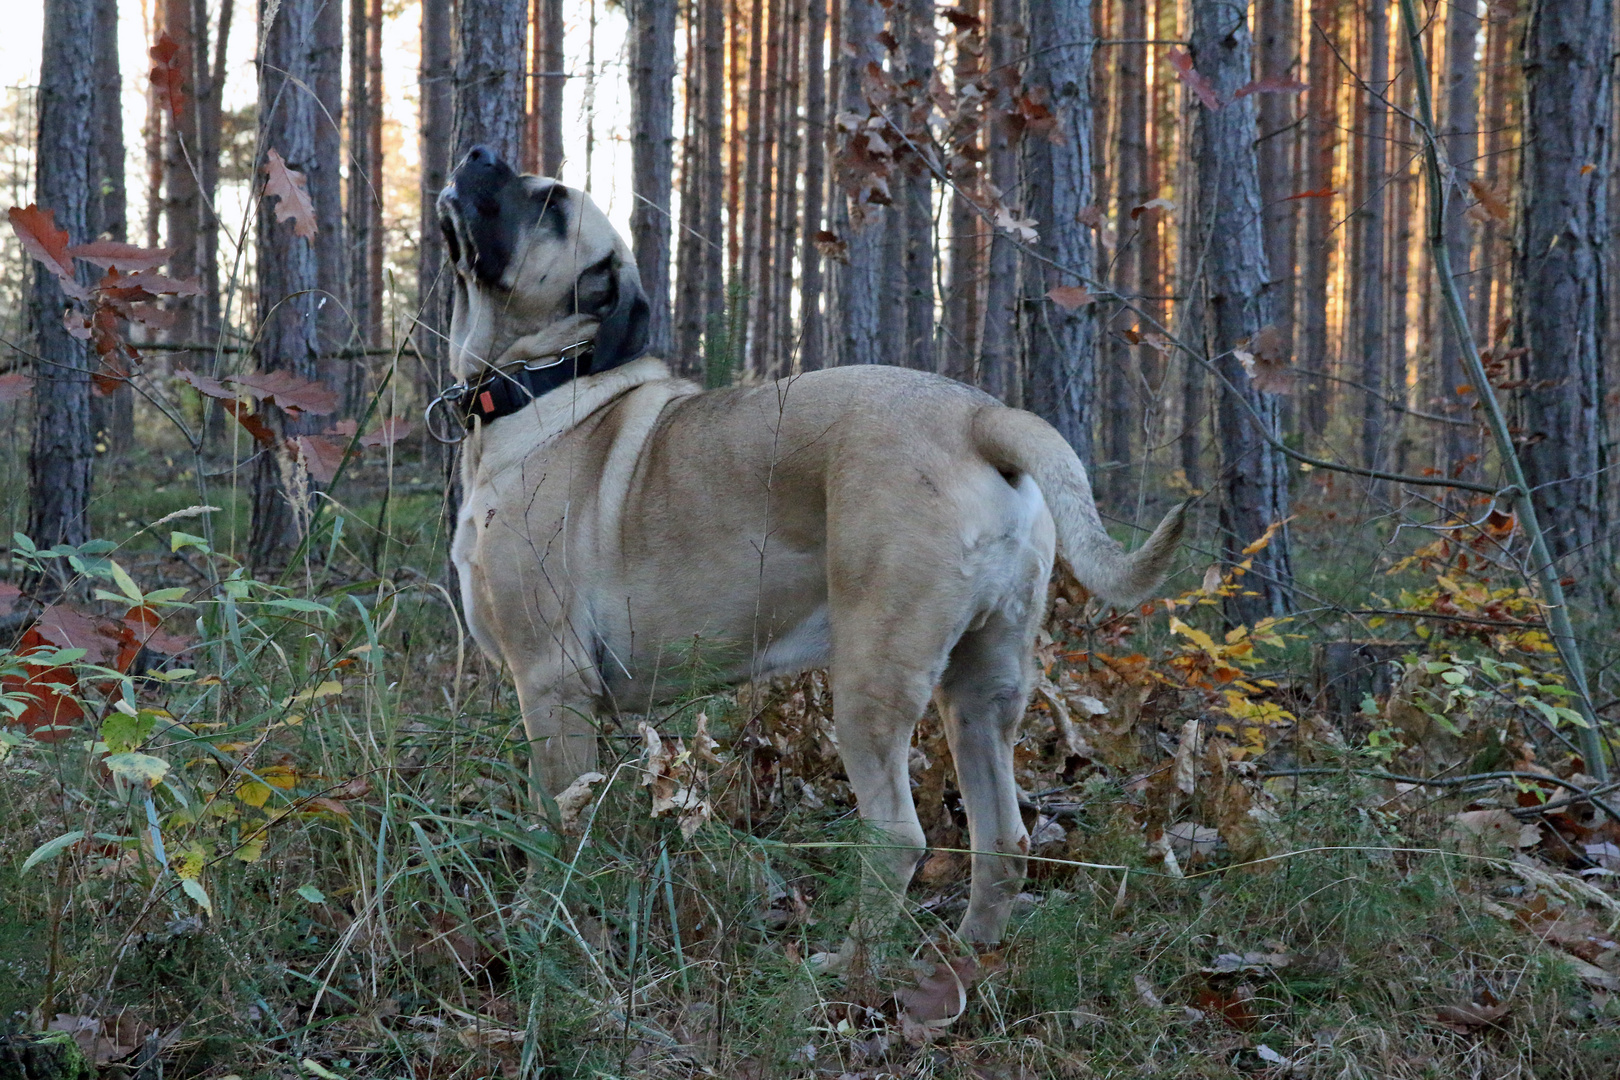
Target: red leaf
(321,456)
(290,393)
(115,255)
(1271,84)
(50,708)
(14,387)
(146,286)
(169,74)
(147,627)
(254,424)
(1195,81)
(387,433)
(41,238)
(287,185)
(69,628)
(1069,297)
(962,20)
(208,387)
(1319,193)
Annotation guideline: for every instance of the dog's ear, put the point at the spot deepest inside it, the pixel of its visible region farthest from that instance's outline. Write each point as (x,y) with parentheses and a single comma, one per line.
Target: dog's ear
(611,290)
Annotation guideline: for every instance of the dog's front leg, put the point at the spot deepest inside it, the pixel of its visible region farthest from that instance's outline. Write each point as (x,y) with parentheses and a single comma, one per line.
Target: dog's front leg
(558,719)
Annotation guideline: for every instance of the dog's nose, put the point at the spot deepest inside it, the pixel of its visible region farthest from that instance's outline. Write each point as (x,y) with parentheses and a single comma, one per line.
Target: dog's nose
(479,178)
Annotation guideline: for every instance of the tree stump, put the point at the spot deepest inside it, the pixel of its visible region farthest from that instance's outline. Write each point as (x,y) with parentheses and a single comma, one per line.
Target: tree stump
(49,1056)
(1346,672)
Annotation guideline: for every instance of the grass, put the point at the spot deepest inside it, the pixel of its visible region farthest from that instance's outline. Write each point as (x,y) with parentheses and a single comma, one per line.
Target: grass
(345,787)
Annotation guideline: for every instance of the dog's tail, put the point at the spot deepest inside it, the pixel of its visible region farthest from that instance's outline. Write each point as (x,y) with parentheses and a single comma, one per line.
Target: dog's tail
(1017,442)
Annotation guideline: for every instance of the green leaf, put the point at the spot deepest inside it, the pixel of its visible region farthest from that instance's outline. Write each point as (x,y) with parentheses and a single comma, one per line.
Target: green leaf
(178,540)
(311,893)
(122,732)
(165,596)
(125,583)
(50,849)
(294,603)
(137,768)
(1454,677)
(193,888)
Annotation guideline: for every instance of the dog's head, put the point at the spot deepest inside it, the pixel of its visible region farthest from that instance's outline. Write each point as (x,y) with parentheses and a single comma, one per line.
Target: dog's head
(538,268)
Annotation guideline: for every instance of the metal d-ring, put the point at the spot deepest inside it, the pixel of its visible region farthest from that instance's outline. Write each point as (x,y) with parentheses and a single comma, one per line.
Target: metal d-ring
(451,398)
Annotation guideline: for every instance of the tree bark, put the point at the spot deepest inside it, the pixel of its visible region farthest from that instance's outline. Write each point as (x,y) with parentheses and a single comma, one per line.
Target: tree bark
(1322,130)
(115,413)
(999,373)
(753,169)
(153,138)
(1460,138)
(812,351)
(489,79)
(62,451)
(361,189)
(859,222)
(1560,275)
(553,63)
(960,347)
(345,374)
(1130,191)
(791,148)
(1226,208)
(652,147)
(1279,143)
(1060,341)
(916,188)
(1369,281)
(180,153)
(433,287)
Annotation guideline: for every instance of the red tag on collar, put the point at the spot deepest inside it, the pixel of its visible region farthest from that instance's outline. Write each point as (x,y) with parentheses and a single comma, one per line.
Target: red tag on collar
(486,402)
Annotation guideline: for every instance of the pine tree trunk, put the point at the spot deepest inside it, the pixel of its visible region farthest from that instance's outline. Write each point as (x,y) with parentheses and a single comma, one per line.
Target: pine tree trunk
(489,79)
(999,373)
(1560,277)
(1501,33)
(762,315)
(1322,136)
(812,351)
(210,104)
(62,451)
(552,63)
(114,419)
(1403,193)
(862,225)
(374,165)
(1226,209)
(1460,137)
(960,347)
(288,270)
(1370,279)
(326,192)
(915,193)
(787,190)
(713,173)
(688,312)
(180,195)
(1130,191)
(433,285)
(153,138)
(1278,146)
(361,190)
(1060,342)
(652,149)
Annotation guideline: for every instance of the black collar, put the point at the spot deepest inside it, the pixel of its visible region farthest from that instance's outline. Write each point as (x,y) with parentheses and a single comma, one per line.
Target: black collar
(499,392)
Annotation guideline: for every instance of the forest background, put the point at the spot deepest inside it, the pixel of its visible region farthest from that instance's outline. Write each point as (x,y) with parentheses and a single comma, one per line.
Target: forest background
(1339,270)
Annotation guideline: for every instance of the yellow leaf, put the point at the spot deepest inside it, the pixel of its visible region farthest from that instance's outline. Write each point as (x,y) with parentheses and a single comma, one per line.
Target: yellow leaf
(279,776)
(252,849)
(325,689)
(253,793)
(1193,634)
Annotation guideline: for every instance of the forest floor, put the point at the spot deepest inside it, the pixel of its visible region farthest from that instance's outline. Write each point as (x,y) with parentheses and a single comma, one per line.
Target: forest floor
(299,846)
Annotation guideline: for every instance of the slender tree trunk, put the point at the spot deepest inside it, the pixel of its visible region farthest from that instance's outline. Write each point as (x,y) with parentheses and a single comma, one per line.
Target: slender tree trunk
(998,359)
(1322,136)
(154,137)
(180,153)
(553,63)
(114,420)
(489,79)
(534,49)
(1279,143)
(787,191)
(754,168)
(713,174)
(1460,137)
(1370,280)
(62,451)
(762,317)
(862,224)
(916,189)
(433,286)
(689,303)
(1254,478)
(374,162)
(1403,191)
(736,142)
(1130,191)
(210,103)
(652,147)
(288,270)
(345,374)
(812,350)
(1060,340)
(1501,31)
(1559,269)
(361,188)
(960,348)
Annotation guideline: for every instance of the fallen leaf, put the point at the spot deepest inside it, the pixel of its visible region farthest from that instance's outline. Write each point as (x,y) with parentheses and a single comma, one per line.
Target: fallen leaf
(1271,84)
(1469,1017)
(574,798)
(1196,82)
(1069,297)
(287,185)
(940,995)
(1492,828)
(1144,990)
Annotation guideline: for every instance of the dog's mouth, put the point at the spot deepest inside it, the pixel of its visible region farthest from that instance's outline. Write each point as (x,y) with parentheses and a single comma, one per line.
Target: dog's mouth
(472,215)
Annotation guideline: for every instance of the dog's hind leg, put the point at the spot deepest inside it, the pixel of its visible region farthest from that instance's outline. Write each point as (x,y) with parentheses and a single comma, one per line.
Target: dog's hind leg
(982,698)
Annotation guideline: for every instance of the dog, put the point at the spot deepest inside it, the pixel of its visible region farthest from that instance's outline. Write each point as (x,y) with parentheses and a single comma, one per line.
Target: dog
(625,535)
